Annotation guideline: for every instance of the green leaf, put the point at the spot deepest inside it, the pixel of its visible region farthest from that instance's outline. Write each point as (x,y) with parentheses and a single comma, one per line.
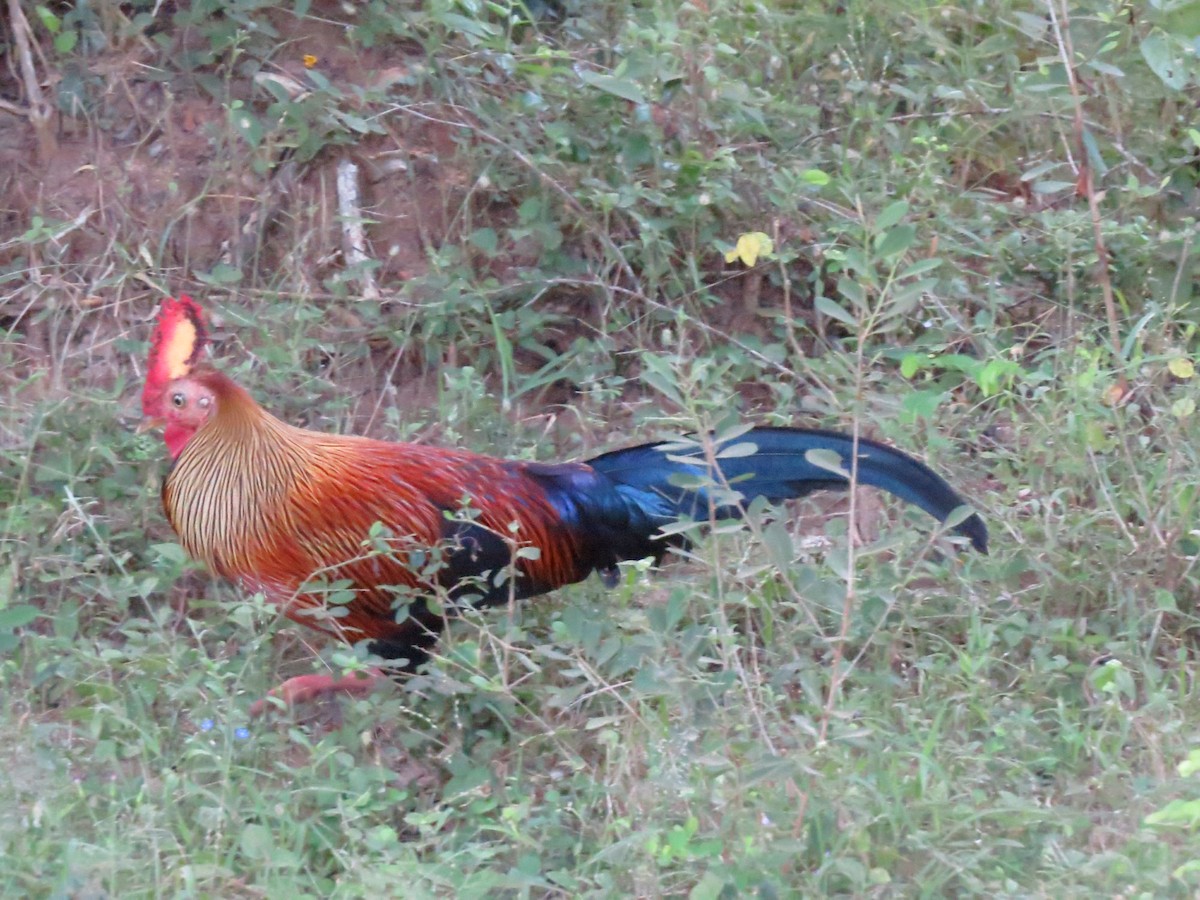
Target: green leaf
(658,373)
(170,552)
(359,124)
(382,837)
(920,267)
(610,84)
(830,460)
(220,274)
(1093,152)
(827,307)
(1035,172)
(471,25)
(257,841)
(637,150)
(49,20)
(64,43)
(896,241)
(958,515)
(912,363)
(245,123)
(904,297)
(709,887)
(485,239)
(1165,60)
(891,215)
(1177,813)
(1104,68)
(815,176)
(1052,187)
(738,450)
(997,373)
(1182,20)
(1165,601)
(1190,766)
(18,616)
(923,404)
(852,291)
(778,541)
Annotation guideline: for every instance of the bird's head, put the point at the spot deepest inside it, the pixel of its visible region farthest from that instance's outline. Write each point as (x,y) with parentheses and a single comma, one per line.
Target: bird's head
(189,404)
(175,349)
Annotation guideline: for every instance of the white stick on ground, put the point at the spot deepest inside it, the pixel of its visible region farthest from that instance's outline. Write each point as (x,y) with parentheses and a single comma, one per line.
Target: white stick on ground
(354,239)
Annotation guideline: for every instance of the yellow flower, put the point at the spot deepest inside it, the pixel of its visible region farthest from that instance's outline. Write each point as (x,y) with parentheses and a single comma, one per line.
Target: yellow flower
(309,60)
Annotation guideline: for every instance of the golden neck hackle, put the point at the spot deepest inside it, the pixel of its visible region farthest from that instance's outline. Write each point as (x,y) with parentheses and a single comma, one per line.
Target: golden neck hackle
(226,494)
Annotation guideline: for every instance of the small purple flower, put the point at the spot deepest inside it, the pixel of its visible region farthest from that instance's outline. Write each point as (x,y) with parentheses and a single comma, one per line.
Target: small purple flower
(206,724)
(241,733)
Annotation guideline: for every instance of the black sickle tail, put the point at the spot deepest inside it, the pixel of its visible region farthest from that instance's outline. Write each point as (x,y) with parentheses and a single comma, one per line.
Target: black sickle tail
(658,485)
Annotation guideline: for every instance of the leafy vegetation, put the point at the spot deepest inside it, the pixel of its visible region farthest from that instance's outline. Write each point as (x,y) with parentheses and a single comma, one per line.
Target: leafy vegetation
(967,230)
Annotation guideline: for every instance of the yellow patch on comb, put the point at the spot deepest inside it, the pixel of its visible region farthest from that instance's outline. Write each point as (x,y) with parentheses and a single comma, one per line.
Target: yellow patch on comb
(179,349)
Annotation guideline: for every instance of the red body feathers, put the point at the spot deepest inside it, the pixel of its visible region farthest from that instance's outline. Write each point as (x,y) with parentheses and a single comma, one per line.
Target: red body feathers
(284,510)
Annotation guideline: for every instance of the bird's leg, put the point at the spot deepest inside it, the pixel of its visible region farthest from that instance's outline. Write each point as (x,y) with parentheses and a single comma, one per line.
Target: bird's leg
(304,688)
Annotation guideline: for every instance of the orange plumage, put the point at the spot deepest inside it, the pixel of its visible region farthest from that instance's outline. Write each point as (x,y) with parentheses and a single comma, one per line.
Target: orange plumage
(277,507)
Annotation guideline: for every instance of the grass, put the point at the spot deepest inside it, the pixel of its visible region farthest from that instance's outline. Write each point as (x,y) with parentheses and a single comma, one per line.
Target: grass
(802,707)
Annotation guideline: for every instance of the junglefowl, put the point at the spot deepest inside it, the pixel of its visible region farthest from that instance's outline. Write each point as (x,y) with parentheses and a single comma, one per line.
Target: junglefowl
(350,535)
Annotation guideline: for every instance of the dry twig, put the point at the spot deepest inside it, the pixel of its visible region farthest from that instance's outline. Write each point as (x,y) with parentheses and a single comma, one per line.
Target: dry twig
(40,112)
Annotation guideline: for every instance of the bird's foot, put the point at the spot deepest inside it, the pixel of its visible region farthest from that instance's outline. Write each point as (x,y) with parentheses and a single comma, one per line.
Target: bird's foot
(304,688)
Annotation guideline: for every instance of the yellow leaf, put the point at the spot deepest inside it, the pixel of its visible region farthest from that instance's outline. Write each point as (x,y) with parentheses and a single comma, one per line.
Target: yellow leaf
(1182,367)
(750,246)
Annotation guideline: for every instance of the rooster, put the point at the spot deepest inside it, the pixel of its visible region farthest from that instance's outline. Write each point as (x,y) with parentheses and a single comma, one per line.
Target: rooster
(350,535)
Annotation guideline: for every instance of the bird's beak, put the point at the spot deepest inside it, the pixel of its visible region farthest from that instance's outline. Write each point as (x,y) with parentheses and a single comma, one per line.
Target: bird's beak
(150,423)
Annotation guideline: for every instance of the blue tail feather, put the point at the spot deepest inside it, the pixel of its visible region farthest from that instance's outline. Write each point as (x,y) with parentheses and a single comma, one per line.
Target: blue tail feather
(648,477)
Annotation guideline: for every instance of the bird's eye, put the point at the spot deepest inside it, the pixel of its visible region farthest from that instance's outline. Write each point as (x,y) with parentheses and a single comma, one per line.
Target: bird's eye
(178,400)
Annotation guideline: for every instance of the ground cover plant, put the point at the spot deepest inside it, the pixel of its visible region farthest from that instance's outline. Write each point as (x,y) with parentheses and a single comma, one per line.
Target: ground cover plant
(544,229)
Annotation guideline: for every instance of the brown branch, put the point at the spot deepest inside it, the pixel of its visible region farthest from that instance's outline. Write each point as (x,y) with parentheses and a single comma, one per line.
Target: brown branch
(40,112)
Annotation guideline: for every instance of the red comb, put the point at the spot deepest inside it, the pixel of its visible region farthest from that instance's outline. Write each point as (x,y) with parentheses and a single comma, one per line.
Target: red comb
(178,342)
